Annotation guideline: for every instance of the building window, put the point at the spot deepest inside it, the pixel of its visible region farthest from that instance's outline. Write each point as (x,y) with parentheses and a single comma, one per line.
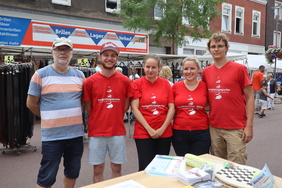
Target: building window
(188,51)
(62,2)
(278,10)
(256,24)
(277,42)
(159,11)
(201,52)
(226,17)
(239,20)
(112,5)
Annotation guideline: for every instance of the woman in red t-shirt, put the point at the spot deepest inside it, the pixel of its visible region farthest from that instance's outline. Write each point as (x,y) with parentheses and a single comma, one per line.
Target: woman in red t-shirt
(153,106)
(190,125)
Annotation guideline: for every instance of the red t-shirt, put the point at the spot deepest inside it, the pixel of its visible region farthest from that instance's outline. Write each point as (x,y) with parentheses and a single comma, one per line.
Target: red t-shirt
(153,104)
(226,96)
(190,107)
(257,79)
(108,96)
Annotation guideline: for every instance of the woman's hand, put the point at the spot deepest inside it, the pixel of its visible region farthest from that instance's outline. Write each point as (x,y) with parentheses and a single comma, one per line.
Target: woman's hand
(153,133)
(160,131)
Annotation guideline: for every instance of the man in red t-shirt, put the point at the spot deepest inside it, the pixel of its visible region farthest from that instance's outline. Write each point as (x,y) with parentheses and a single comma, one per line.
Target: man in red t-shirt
(106,97)
(231,103)
(257,81)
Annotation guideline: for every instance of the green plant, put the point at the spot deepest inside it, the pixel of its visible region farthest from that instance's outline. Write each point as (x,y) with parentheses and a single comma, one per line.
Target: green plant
(273,53)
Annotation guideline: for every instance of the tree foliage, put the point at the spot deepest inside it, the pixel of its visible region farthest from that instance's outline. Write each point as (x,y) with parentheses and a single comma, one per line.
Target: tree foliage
(138,15)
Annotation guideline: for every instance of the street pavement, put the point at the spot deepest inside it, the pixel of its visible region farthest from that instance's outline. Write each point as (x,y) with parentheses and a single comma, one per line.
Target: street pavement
(20,171)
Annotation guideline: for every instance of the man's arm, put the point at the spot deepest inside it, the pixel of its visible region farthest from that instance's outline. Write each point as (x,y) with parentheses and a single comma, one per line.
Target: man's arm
(250,106)
(127,103)
(262,80)
(32,102)
(87,106)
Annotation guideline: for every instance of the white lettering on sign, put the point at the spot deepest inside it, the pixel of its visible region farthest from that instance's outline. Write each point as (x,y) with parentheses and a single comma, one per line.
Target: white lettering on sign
(5,19)
(97,36)
(4,24)
(125,38)
(9,34)
(62,31)
(10,29)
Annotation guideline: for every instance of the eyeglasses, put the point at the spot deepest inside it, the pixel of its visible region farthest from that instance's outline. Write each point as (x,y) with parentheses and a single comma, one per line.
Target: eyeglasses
(218,47)
(66,50)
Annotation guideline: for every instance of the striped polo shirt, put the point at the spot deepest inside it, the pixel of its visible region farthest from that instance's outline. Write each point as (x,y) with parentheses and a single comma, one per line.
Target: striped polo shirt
(60,102)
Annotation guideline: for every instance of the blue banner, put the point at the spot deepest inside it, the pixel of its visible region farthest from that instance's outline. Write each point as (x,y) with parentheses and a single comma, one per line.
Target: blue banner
(12,30)
(125,38)
(96,36)
(62,31)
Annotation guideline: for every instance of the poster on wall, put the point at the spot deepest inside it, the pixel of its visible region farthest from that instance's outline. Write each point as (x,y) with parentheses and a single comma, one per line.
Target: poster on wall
(33,33)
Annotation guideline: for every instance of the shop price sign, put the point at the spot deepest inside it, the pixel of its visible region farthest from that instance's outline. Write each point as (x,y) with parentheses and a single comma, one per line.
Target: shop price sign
(83,62)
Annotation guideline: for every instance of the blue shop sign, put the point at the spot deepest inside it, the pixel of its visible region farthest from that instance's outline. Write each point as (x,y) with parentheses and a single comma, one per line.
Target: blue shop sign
(12,30)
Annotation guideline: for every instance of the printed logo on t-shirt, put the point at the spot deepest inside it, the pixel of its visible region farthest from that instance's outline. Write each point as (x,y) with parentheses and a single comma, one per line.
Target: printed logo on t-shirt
(155,111)
(153,105)
(109,100)
(191,105)
(218,96)
(153,97)
(191,108)
(218,89)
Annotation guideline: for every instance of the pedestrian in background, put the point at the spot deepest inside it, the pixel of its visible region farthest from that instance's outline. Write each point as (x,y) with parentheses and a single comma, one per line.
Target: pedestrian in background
(166,73)
(190,125)
(231,103)
(263,99)
(118,69)
(257,81)
(55,95)
(152,105)
(106,97)
(98,65)
(271,90)
(134,75)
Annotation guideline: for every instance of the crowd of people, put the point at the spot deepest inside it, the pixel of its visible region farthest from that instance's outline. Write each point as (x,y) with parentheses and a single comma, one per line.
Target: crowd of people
(165,113)
(265,89)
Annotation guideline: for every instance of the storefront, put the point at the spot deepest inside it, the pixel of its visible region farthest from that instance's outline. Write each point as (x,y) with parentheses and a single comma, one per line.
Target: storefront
(27,37)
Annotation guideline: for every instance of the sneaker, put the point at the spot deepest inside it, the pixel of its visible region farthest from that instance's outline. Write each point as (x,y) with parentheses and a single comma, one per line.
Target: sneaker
(260,115)
(263,115)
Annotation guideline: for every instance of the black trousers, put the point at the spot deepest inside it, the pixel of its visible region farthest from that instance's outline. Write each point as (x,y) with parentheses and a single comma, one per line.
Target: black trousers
(196,142)
(148,148)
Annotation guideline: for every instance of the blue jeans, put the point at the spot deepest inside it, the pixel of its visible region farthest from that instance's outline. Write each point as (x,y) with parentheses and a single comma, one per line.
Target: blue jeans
(196,142)
(52,152)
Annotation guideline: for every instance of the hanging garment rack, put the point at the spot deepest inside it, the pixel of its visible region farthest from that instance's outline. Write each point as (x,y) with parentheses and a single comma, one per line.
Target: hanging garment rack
(16,121)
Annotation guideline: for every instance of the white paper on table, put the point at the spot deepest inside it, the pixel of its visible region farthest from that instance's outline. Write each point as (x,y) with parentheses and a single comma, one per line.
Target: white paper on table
(164,165)
(127,184)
